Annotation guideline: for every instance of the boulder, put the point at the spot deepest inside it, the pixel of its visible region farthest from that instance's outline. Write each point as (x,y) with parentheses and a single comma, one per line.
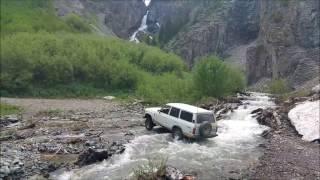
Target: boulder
(90,156)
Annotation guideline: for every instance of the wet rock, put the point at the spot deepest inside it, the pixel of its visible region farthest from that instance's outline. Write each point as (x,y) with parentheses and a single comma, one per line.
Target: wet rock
(116,148)
(50,148)
(90,143)
(91,156)
(129,133)
(11,169)
(266,134)
(267,118)
(173,173)
(7,120)
(259,110)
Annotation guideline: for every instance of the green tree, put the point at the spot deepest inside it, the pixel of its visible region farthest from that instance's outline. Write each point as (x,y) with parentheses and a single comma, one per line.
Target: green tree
(212,77)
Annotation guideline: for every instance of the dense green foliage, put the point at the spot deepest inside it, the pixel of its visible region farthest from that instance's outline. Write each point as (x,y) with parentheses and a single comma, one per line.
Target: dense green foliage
(45,60)
(212,77)
(30,16)
(43,55)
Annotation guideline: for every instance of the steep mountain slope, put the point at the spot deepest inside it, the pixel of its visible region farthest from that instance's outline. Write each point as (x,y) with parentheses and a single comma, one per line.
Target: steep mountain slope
(112,17)
(269,39)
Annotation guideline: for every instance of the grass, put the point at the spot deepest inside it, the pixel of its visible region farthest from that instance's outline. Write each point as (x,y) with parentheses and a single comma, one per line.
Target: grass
(30,16)
(153,170)
(7,109)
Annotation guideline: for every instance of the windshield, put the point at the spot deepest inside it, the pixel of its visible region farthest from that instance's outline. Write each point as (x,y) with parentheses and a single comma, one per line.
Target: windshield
(205,117)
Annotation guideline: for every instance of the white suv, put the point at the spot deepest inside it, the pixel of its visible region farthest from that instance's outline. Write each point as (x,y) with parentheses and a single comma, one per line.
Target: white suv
(182,120)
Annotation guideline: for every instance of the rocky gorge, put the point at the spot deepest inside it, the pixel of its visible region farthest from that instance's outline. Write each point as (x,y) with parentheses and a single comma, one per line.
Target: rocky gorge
(267,39)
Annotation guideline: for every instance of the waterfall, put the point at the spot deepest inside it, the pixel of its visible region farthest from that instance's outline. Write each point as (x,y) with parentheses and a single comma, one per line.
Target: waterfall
(143,25)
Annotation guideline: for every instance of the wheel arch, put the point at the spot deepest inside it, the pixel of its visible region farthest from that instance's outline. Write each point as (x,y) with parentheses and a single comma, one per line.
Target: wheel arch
(148,115)
(176,127)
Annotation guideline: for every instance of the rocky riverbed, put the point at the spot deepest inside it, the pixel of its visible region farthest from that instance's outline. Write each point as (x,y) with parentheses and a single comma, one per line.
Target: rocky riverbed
(53,134)
(65,135)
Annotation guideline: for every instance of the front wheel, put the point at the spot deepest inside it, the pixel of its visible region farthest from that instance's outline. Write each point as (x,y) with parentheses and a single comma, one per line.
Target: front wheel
(177,134)
(148,123)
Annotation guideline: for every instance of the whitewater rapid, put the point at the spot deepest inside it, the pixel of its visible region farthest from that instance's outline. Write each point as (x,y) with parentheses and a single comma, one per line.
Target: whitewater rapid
(230,154)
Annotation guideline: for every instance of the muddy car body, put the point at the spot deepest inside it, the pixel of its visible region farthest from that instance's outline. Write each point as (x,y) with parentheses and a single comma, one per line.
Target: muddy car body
(182,120)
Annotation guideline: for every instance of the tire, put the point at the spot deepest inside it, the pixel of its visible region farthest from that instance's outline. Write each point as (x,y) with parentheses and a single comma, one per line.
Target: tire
(177,133)
(205,129)
(148,123)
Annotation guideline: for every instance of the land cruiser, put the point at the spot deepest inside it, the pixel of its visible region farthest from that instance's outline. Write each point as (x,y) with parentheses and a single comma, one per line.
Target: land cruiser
(182,120)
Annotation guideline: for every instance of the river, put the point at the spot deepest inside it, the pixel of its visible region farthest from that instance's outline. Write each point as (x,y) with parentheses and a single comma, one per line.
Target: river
(229,155)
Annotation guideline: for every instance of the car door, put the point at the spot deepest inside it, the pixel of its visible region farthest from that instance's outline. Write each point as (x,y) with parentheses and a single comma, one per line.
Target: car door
(174,118)
(163,116)
(187,122)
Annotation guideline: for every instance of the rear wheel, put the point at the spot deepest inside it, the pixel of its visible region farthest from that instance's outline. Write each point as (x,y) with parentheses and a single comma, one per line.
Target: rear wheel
(148,123)
(177,133)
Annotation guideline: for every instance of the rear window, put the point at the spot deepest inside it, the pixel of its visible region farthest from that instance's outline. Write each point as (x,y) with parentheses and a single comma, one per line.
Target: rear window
(174,112)
(205,117)
(186,116)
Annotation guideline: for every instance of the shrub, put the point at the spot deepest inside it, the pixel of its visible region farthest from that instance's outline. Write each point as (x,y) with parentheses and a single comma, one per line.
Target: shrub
(77,23)
(153,170)
(29,16)
(279,86)
(165,88)
(212,77)
(38,64)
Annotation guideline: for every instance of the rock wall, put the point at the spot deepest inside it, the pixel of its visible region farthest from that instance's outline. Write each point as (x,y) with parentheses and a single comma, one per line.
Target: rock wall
(289,34)
(111,17)
(269,39)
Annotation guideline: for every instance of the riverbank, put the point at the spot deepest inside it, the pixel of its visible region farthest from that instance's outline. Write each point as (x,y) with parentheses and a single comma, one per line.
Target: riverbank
(53,134)
(286,155)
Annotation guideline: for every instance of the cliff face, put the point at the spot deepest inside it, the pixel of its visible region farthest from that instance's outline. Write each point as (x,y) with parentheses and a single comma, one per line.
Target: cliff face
(112,17)
(288,42)
(269,39)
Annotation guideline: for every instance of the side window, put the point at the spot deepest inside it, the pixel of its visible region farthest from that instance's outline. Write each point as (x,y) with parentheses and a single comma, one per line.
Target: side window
(174,112)
(186,116)
(165,109)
